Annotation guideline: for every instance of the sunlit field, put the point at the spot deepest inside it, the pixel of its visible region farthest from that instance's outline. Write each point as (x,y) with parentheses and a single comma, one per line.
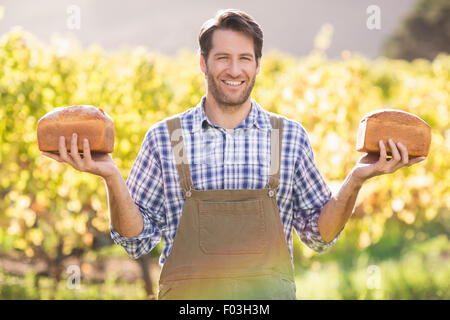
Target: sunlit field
(395,246)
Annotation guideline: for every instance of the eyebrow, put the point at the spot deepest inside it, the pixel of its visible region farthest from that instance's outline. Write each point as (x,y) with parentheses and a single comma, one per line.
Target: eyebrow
(227,54)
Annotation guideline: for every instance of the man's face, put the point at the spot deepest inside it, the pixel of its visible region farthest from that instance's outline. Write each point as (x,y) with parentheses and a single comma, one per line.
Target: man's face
(231,67)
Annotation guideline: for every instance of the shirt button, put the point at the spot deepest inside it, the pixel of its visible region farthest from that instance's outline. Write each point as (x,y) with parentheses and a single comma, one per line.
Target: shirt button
(271,193)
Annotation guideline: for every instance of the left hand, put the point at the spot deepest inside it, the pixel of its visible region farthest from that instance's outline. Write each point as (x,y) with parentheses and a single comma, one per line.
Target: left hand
(371,165)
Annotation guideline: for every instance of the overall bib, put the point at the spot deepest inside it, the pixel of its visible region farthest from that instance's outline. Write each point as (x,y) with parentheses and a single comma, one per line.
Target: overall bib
(229,243)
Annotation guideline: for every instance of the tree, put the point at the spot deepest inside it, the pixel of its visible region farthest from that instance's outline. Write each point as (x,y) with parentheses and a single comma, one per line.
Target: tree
(424,33)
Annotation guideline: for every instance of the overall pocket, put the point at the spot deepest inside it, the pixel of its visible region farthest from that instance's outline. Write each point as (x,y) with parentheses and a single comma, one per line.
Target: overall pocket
(231,227)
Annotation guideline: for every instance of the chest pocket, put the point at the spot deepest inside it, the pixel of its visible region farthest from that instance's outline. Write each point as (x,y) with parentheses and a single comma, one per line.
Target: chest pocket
(231,227)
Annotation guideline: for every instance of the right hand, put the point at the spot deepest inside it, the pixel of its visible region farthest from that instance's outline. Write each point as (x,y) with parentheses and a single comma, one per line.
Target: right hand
(100,164)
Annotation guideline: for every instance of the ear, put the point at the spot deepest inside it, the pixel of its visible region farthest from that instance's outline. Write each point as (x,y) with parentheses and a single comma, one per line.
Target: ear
(202,64)
(258,65)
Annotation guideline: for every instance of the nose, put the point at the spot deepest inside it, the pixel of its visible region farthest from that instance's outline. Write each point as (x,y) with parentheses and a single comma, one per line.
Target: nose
(234,69)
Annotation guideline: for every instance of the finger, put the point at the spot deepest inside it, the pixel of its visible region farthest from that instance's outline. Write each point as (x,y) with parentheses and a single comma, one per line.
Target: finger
(404,152)
(86,150)
(395,154)
(383,154)
(63,151)
(74,151)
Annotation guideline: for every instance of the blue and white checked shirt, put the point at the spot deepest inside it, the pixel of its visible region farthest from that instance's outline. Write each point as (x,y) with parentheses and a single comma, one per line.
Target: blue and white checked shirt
(222,159)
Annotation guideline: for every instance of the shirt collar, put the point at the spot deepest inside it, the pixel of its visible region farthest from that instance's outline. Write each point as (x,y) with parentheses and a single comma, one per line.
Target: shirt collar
(257,117)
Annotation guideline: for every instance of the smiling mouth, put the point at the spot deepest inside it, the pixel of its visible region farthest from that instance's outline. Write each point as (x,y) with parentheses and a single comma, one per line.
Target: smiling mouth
(233,83)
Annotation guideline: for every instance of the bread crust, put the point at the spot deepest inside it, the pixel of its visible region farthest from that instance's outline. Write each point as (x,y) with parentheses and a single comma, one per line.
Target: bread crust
(85,120)
(398,125)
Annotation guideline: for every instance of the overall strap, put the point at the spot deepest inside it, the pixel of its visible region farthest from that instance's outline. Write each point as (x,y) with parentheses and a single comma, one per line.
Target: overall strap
(276,137)
(182,164)
(179,151)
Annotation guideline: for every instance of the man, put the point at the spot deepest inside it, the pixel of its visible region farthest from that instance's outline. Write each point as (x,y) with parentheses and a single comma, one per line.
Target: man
(226,182)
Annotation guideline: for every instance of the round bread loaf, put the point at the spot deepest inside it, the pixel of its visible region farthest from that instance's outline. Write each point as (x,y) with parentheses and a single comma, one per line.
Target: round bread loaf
(85,120)
(398,125)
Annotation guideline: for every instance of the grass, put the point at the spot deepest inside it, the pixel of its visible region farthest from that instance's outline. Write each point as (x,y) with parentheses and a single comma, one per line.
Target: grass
(43,288)
(420,271)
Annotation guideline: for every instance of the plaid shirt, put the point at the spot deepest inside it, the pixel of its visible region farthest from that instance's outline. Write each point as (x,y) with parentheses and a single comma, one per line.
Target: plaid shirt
(224,159)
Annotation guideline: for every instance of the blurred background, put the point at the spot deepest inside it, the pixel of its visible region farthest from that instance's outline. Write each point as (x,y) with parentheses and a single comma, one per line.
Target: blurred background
(325,64)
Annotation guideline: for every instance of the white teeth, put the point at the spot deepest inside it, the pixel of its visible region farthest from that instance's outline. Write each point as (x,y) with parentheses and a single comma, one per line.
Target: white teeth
(232,83)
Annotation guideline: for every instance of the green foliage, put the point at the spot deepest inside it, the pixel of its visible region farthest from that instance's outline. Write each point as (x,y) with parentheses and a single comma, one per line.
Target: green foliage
(51,211)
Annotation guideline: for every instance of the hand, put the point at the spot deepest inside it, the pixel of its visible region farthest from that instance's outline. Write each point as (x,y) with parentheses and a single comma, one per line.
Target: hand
(100,164)
(372,164)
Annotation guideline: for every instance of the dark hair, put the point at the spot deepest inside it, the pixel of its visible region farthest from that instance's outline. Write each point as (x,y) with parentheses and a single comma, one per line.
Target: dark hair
(231,19)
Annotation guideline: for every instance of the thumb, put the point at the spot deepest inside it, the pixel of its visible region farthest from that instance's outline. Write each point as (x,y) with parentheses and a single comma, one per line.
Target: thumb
(415,160)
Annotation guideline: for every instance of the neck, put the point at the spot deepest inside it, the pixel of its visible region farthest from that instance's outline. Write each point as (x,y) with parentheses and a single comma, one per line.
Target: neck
(227,117)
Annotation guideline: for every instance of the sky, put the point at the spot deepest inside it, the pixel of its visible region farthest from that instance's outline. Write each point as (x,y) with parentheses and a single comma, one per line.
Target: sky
(171,25)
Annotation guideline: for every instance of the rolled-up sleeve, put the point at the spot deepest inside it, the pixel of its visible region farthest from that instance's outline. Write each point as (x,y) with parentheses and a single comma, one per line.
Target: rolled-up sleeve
(145,184)
(311,193)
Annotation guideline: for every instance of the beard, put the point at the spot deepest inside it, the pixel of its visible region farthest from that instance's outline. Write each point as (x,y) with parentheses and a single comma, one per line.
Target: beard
(226,100)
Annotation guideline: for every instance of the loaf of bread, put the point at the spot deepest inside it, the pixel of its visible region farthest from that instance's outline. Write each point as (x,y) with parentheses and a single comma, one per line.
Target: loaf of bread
(84,120)
(400,126)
